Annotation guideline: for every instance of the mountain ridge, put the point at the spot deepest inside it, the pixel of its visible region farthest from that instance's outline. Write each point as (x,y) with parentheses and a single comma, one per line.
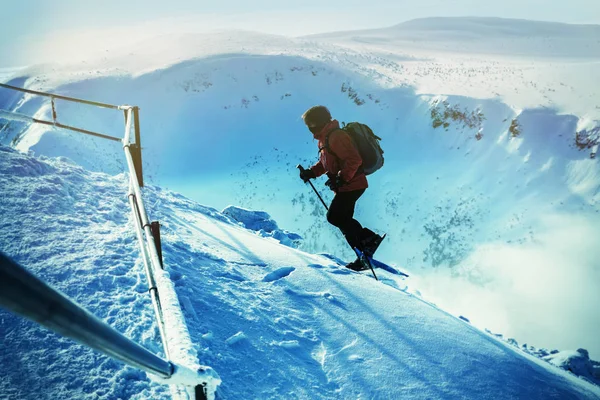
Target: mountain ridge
(466,23)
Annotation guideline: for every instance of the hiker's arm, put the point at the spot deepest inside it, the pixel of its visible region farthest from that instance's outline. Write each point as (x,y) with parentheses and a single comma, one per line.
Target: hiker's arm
(318,169)
(350,160)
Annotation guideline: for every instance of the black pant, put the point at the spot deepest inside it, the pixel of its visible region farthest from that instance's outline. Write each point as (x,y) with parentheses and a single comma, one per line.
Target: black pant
(341,214)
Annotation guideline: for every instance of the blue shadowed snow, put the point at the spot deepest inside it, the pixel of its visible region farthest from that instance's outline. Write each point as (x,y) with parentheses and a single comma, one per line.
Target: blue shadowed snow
(254,220)
(273,321)
(265,226)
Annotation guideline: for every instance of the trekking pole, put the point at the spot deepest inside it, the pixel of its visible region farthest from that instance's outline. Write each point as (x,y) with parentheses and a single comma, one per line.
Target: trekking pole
(301,168)
(361,256)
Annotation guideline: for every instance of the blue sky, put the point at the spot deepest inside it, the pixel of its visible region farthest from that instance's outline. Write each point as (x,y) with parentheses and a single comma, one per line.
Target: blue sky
(29,26)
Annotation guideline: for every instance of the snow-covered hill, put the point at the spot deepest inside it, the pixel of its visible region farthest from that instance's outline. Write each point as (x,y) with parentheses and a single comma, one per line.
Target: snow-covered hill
(490,190)
(274,322)
(479,36)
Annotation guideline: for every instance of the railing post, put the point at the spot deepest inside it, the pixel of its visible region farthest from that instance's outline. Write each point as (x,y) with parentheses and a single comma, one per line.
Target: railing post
(137,149)
(200,392)
(53,110)
(155,228)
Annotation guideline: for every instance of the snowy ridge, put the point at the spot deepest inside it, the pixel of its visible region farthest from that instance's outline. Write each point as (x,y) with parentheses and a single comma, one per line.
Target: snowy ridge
(498,36)
(274,321)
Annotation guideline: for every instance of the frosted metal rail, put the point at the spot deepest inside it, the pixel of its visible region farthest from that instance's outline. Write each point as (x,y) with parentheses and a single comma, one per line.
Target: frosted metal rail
(152,288)
(57,96)
(148,251)
(24,294)
(54,121)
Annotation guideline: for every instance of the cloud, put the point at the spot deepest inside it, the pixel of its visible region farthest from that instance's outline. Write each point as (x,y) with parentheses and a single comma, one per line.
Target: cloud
(545,293)
(78,44)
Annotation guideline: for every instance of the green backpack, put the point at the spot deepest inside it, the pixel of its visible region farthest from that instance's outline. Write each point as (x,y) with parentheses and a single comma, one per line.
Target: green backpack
(367,144)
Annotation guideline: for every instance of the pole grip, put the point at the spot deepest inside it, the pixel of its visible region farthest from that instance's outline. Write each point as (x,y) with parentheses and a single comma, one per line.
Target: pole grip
(301,168)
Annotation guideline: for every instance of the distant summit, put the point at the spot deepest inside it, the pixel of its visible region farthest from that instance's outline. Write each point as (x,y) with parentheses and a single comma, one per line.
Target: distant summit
(483,35)
(493,25)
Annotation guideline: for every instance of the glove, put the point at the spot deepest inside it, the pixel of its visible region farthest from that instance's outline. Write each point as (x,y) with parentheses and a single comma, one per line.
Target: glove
(335,183)
(307,174)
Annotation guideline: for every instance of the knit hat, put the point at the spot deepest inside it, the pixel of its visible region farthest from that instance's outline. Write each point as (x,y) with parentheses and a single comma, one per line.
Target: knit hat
(316,116)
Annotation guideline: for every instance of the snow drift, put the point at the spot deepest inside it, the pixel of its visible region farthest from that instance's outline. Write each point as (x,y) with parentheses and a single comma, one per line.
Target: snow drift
(263,224)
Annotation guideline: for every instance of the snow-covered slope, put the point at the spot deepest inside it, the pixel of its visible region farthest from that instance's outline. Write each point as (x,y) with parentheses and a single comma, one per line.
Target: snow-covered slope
(275,322)
(500,207)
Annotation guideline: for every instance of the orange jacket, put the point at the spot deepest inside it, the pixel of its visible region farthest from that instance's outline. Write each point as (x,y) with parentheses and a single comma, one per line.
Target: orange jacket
(346,164)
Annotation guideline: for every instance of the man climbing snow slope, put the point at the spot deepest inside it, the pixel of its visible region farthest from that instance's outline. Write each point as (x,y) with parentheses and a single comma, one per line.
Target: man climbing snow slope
(341,161)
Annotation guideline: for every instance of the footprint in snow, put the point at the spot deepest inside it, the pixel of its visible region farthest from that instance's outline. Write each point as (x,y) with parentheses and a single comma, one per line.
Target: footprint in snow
(278,274)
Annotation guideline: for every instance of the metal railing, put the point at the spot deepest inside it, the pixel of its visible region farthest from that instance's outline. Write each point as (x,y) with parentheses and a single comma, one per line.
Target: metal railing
(37,301)
(135,148)
(23,293)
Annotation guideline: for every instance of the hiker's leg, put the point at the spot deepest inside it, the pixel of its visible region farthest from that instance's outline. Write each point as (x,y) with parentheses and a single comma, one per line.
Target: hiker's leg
(341,214)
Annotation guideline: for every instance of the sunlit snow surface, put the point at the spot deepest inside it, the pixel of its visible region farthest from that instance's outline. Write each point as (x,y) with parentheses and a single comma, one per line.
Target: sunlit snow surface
(273,321)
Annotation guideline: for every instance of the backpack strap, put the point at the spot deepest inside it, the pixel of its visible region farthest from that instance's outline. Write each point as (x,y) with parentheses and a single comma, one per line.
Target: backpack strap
(328,148)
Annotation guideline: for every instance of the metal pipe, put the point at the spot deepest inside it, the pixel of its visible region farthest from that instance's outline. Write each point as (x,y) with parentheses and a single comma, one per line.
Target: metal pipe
(154,260)
(72,128)
(26,118)
(152,288)
(107,340)
(57,96)
(23,293)
(195,379)
(126,140)
(141,218)
(138,144)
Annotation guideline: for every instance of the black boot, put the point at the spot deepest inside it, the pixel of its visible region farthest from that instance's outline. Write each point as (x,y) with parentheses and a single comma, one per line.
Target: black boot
(356,265)
(370,241)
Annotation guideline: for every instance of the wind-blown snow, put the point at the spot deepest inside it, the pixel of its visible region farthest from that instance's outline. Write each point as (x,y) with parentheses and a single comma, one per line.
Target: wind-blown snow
(275,322)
